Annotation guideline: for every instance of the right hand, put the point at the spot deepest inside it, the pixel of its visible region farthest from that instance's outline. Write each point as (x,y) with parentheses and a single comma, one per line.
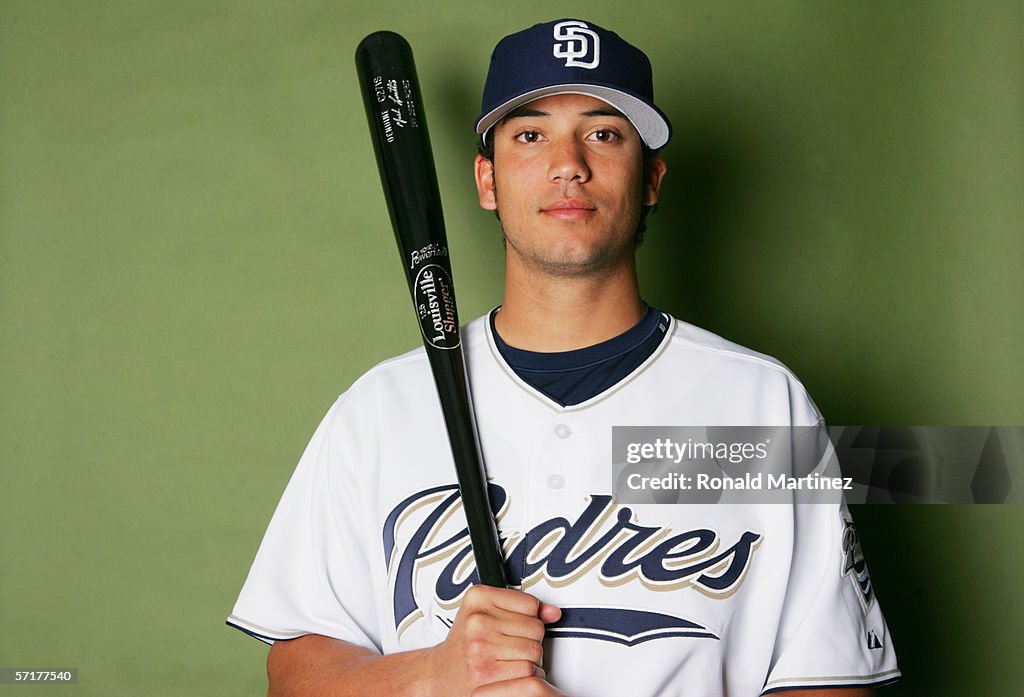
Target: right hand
(495,641)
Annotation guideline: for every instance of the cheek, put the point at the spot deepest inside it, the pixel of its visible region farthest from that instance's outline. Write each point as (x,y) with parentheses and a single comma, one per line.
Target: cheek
(512,190)
(628,194)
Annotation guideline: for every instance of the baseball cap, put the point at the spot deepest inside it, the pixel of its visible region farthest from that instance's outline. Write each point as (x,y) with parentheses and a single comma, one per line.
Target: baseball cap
(570,56)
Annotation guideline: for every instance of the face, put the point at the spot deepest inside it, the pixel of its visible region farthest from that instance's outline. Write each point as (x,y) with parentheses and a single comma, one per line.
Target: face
(568,180)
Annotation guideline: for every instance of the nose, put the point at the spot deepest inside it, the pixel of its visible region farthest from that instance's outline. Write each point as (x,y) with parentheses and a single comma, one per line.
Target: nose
(568,161)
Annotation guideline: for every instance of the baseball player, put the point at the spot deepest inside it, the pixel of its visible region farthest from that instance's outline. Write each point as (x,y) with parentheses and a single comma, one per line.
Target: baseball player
(364,580)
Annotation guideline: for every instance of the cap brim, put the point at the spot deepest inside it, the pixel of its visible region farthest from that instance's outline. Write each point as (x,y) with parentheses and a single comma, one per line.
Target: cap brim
(650,123)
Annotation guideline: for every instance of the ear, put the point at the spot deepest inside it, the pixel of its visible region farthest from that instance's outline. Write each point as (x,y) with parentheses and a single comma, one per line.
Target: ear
(483,170)
(654,170)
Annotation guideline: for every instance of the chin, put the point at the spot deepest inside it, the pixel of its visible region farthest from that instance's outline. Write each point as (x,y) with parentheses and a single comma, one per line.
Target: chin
(568,252)
(579,263)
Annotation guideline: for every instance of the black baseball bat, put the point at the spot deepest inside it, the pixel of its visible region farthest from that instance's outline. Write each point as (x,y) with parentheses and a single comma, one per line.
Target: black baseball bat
(398,127)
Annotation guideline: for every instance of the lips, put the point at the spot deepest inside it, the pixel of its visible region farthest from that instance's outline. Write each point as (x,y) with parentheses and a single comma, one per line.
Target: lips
(569,208)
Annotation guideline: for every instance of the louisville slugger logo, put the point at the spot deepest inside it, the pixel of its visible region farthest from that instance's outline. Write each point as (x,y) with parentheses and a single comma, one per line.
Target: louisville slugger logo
(435,303)
(575,41)
(604,540)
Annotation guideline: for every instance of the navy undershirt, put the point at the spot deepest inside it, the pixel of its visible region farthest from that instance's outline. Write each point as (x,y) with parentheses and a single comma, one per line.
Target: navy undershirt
(572,377)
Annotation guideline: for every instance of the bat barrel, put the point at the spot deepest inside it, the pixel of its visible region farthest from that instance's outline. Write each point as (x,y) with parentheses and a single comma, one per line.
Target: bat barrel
(401,141)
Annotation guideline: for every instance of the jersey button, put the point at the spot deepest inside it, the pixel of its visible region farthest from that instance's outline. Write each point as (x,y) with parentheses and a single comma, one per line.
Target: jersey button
(562,431)
(556,481)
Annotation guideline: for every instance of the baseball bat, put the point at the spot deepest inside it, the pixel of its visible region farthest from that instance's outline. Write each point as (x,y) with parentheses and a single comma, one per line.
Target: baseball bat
(398,128)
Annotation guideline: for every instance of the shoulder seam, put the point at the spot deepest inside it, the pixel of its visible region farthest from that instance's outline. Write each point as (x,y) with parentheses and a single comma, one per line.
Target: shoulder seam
(747,354)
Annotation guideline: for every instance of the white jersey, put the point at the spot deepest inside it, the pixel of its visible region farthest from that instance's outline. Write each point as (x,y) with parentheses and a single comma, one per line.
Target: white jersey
(368,543)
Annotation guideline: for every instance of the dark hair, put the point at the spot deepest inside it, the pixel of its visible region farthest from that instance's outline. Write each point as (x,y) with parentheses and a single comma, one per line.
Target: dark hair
(486,150)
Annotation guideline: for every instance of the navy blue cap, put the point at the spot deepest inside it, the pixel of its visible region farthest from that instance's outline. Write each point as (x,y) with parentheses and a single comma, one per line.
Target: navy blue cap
(569,56)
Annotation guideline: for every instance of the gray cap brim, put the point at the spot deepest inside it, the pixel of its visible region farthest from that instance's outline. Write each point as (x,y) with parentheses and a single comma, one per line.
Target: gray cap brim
(650,123)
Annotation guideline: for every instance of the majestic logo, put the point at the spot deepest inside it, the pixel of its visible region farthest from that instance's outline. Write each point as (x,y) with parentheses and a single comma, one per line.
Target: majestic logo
(603,541)
(854,564)
(873,641)
(574,41)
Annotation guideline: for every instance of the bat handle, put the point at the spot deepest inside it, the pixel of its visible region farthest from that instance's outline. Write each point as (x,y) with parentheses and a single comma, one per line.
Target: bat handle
(453,389)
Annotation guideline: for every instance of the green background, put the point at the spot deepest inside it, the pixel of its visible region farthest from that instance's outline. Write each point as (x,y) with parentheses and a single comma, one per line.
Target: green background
(195,259)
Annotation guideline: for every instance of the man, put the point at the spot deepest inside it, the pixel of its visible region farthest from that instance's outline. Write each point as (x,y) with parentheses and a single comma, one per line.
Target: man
(364,580)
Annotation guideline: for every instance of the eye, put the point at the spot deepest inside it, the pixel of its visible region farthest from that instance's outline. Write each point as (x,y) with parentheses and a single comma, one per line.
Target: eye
(528,136)
(604,135)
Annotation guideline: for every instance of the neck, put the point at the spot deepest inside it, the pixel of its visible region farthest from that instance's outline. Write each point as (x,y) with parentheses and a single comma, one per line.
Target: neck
(547,315)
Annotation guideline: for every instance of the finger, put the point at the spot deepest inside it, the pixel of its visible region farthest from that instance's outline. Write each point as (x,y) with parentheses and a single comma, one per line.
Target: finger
(549,613)
(517,649)
(533,686)
(497,624)
(479,597)
(478,616)
(505,671)
(513,624)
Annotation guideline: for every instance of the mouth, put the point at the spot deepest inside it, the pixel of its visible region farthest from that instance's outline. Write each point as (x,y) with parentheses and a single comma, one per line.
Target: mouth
(569,209)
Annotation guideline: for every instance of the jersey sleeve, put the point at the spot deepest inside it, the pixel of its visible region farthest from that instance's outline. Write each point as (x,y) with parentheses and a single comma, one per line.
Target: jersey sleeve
(831,632)
(310,573)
